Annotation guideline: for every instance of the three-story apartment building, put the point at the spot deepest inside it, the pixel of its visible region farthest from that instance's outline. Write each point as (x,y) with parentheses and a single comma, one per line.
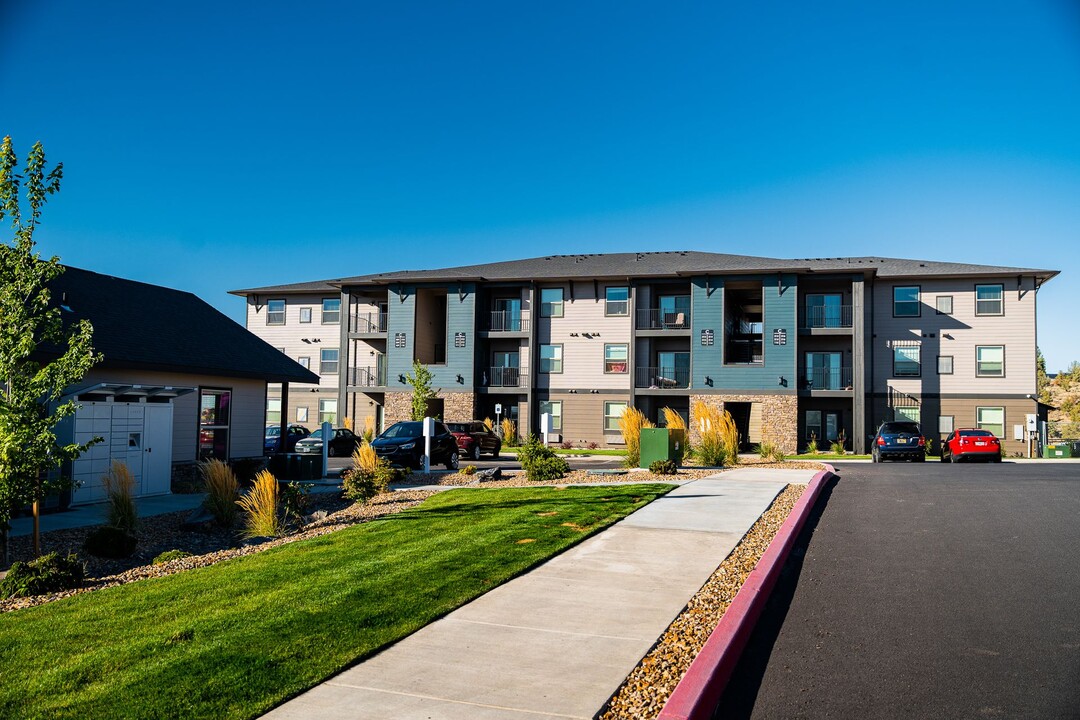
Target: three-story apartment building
(794,349)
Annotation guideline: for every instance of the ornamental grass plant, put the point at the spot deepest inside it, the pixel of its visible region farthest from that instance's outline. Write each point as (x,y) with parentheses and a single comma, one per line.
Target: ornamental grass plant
(630,424)
(674,420)
(260,505)
(509,432)
(222,491)
(119,486)
(718,443)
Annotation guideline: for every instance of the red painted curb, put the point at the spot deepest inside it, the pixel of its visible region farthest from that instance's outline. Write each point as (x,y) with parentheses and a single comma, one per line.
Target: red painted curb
(696,695)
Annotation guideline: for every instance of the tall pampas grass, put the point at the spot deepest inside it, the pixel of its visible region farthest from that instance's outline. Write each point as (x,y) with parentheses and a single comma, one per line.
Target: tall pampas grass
(509,429)
(630,424)
(222,490)
(369,428)
(261,507)
(364,459)
(718,442)
(119,486)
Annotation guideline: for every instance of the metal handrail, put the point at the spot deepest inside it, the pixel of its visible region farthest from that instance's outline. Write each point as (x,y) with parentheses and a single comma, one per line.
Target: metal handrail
(662,378)
(836,316)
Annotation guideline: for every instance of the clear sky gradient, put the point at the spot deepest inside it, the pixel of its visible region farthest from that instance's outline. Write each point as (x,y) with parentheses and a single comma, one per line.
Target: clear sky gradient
(214,146)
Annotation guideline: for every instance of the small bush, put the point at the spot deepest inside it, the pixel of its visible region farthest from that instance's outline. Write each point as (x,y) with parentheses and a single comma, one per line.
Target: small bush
(765,450)
(540,462)
(119,486)
(222,491)
(630,424)
(294,499)
(364,458)
(368,434)
(593,446)
(110,542)
(812,445)
(509,433)
(362,485)
(719,437)
(468,470)
(566,445)
(47,574)
(170,555)
(261,508)
(663,467)
(838,446)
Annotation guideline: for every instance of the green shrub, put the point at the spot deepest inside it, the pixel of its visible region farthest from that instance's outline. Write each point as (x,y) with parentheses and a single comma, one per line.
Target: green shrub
(47,574)
(261,505)
(110,542)
(777,454)
(812,445)
(710,450)
(468,470)
(170,555)
(294,498)
(362,485)
(540,462)
(663,467)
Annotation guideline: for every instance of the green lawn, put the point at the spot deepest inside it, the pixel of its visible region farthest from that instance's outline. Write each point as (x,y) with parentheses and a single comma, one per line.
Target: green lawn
(237,638)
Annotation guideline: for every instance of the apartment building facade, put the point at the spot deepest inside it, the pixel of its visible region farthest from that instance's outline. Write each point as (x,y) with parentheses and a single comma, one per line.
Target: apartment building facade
(794,349)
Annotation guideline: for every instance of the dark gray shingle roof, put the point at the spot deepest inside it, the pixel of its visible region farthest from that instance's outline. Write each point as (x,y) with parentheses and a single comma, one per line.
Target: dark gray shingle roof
(143,326)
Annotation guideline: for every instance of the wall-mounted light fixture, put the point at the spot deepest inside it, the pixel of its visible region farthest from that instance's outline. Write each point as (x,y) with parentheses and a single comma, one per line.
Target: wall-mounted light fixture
(401,379)
(708,380)
(460,379)
(782,381)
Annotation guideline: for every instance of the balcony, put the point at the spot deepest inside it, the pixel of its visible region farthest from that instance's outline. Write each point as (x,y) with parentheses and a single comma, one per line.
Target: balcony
(504,377)
(828,317)
(662,378)
(657,319)
(506,321)
(368,323)
(831,378)
(367,377)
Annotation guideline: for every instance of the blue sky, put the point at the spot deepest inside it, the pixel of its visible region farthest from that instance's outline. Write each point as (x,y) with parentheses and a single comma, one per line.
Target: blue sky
(213,146)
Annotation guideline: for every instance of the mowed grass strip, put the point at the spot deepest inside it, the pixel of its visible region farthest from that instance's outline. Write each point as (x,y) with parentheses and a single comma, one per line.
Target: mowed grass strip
(234,639)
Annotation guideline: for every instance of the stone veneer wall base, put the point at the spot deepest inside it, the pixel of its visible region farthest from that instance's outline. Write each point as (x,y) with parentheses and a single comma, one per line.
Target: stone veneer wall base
(779,417)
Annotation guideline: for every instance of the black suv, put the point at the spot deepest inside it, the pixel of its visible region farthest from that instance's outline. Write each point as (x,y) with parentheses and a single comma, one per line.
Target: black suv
(403,444)
(899,440)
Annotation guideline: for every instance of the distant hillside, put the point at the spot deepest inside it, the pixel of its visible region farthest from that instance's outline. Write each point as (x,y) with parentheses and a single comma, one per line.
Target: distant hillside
(1063,393)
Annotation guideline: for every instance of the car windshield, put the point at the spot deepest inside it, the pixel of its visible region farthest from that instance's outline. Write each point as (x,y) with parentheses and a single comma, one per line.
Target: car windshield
(897,428)
(403,430)
(273,431)
(458,427)
(317,435)
(976,433)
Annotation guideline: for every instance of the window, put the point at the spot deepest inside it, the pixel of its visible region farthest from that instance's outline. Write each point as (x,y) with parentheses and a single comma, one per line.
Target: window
(944,365)
(305,362)
(910,414)
(813,424)
(992,419)
(280,350)
(945,424)
(551,302)
(826,311)
(617,301)
(990,360)
(301,414)
(273,411)
(555,408)
(613,411)
(275,312)
(328,411)
(331,311)
(906,361)
(328,362)
(616,358)
(989,299)
(944,304)
(305,314)
(214,415)
(551,358)
(905,301)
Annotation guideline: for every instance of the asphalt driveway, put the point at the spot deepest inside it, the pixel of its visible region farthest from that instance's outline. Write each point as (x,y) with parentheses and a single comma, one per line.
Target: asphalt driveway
(928,591)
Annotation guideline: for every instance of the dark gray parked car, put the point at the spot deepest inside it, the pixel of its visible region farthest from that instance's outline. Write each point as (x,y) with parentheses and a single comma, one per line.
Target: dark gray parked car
(403,444)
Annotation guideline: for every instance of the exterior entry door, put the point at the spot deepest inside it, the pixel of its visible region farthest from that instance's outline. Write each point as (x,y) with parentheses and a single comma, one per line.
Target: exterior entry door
(157,448)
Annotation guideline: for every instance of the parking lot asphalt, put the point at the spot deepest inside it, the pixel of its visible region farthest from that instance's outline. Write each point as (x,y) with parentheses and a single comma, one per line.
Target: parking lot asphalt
(929,591)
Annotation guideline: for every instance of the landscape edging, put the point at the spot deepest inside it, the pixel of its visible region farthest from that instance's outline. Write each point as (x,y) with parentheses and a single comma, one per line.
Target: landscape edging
(696,695)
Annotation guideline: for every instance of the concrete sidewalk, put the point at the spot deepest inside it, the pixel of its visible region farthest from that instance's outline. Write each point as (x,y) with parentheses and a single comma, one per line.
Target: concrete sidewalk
(559,640)
(88,515)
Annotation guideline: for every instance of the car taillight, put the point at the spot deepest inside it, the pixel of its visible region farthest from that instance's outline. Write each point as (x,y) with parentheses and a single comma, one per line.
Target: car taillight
(880,440)
(922,442)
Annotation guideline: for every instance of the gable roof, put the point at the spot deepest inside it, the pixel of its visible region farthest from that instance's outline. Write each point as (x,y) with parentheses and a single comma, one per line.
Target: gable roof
(143,326)
(680,263)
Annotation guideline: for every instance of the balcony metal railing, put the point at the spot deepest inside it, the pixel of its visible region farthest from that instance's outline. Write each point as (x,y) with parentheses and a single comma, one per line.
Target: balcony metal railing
(504,377)
(656,319)
(665,378)
(506,321)
(744,350)
(825,378)
(837,316)
(367,377)
(368,323)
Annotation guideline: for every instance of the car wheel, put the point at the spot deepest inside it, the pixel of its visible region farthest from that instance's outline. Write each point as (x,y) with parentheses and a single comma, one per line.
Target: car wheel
(452,463)
(944,457)
(921,458)
(496,451)
(874,457)
(997,458)
(475,452)
(331,452)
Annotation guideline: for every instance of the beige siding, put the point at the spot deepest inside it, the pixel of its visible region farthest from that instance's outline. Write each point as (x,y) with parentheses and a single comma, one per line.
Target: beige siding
(298,339)
(247,426)
(583,331)
(957,335)
(583,417)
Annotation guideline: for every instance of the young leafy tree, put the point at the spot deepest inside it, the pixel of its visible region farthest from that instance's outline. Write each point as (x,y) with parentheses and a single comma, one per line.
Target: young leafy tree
(39,356)
(422,393)
(1042,380)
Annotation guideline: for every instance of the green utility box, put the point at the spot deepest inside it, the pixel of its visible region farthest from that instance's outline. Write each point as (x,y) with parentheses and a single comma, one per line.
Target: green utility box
(1060,450)
(661,444)
(296,466)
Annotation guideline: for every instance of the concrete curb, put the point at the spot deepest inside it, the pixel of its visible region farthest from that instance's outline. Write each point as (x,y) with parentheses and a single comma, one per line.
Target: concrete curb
(696,695)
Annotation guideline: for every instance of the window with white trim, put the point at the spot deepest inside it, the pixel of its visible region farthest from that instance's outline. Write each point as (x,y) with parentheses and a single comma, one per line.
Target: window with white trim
(275,312)
(911,414)
(328,411)
(613,412)
(989,299)
(945,365)
(554,407)
(331,311)
(992,419)
(616,358)
(328,361)
(273,410)
(990,360)
(945,424)
(305,362)
(617,301)
(305,314)
(551,302)
(551,359)
(943,303)
(301,414)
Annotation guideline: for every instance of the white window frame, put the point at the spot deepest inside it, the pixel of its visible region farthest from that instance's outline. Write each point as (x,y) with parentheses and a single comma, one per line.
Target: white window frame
(982,425)
(331,317)
(305,315)
(327,366)
(908,414)
(611,421)
(554,364)
(952,365)
(1000,300)
(302,414)
(608,302)
(979,362)
(938,304)
(276,317)
(946,424)
(555,408)
(305,362)
(552,308)
(625,360)
(326,414)
(273,410)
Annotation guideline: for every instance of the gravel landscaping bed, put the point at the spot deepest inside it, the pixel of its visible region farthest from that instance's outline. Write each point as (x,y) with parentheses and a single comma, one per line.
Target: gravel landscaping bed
(651,683)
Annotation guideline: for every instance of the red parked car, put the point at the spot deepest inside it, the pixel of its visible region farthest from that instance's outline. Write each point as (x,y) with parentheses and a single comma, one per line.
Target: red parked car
(474,438)
(972,444)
